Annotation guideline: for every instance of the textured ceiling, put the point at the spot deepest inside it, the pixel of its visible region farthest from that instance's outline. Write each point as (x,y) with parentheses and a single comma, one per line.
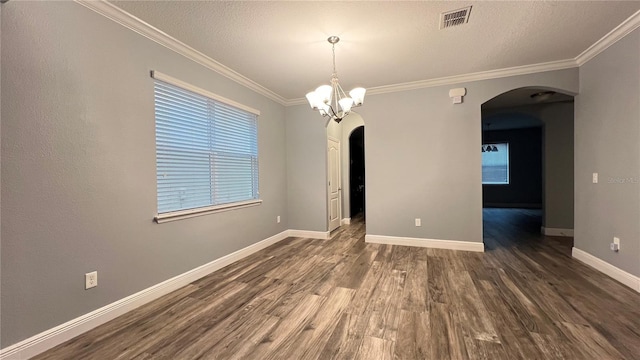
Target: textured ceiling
(282,45)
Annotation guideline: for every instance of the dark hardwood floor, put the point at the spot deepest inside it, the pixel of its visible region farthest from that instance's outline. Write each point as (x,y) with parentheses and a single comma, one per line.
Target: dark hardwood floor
(524,298)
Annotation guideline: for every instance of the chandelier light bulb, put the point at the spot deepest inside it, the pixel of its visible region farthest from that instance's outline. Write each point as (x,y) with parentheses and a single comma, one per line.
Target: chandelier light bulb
(314,100)
(325,109)
(357,95)
(345,104)
(324,93)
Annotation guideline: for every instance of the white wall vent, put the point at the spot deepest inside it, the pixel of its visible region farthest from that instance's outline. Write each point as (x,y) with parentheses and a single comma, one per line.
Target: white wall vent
(455,17)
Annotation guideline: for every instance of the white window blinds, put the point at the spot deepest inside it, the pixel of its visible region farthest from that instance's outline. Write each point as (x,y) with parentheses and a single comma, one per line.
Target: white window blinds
(206,150)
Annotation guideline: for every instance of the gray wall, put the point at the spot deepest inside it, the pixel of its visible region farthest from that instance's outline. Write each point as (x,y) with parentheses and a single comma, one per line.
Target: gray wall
(558,121)
(300,192)
(408,175)
(306,141)
(607,141)
(78,158)
(78,167)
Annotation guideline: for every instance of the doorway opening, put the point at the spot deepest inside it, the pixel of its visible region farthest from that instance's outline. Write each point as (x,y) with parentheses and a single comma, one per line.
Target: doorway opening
(348,163)
(357,175)
(346,169)
(527,166)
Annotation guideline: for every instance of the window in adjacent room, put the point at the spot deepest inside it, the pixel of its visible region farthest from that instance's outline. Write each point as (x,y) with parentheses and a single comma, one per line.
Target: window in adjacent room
(495,163)
(206,150)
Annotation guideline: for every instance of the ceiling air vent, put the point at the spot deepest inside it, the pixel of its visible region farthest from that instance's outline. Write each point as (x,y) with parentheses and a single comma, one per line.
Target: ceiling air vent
(455,17)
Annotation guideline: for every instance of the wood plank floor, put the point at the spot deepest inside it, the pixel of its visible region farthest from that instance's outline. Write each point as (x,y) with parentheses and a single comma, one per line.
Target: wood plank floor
(524,298)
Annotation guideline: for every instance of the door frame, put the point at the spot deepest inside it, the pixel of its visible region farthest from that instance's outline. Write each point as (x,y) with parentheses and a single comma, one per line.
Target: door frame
(332,225)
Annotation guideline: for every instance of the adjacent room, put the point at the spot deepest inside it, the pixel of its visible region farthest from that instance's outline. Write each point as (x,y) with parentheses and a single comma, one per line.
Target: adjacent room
(527,165)
(319,180)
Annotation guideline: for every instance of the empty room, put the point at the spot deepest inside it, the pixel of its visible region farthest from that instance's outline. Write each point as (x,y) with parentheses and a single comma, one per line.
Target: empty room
(319,179)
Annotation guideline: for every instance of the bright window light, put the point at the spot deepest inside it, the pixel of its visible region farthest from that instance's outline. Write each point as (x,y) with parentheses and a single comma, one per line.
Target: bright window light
(207,151)
(495,163)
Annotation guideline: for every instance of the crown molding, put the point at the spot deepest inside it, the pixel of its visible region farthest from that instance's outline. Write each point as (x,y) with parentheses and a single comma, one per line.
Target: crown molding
(298,101)
(457,79)
(152,33)
(156,35)
(620,31)
(477,76)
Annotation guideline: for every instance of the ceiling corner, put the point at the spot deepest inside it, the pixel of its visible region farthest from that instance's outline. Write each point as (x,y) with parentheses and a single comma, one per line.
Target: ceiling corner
(619,32)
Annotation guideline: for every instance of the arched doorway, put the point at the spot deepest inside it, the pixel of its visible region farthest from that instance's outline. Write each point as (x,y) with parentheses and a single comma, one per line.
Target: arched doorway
(527,164)
(342,131)
(357,174)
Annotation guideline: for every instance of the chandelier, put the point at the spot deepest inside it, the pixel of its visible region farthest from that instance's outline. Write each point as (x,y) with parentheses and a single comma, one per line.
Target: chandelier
(331,100)
(489,148)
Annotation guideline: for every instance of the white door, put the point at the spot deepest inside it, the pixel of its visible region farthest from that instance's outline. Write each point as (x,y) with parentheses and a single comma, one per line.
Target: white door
(335,198)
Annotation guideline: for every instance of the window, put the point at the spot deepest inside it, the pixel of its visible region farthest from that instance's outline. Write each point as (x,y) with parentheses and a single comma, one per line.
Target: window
(206,151)
(495,163)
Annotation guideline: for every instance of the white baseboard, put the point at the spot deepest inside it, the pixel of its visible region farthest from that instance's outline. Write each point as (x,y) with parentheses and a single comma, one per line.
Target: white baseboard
(309,234)
(50,338)
(556,232)
(346,221)
(604,267)
(429,243)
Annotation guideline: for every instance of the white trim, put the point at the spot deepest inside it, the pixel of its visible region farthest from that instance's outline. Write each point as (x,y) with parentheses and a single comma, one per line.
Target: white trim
(50,338)
(346,221)
(620,31)
(324,235)
(181,84)
(428,243)
(457,79)
(556,231)
(152,33)
(189,213)
(156,35)
(482,75)
(604,267)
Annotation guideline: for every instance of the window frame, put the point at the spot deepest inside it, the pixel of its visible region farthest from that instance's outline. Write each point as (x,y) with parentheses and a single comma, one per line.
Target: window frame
(508,182)
(204,210)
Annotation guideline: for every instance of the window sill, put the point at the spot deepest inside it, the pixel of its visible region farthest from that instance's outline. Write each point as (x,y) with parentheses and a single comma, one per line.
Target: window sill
(186,214)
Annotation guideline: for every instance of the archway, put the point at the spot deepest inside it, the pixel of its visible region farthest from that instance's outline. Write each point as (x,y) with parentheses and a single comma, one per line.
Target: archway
(527,162)
(357,174)
(342,131)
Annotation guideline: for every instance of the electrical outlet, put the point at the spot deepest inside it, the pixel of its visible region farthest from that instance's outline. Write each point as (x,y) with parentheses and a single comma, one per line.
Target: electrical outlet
(595,178)
(418,222)
(90,280)
(278,219)
(615,245)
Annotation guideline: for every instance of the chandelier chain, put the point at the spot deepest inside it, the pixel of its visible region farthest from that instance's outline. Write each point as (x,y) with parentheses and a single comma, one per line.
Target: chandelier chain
(333,48)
